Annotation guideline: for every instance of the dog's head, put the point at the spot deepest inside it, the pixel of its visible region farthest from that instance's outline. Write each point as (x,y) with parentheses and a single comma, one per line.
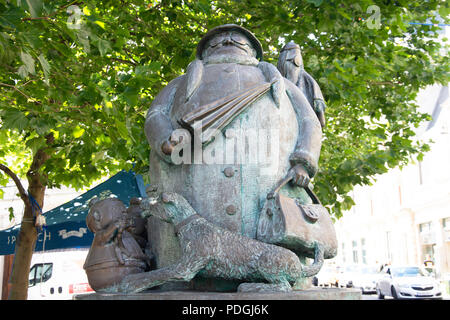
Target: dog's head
(151,207)
(170,207)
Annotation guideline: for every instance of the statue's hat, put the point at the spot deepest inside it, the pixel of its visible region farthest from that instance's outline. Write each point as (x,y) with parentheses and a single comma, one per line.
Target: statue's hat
(291,45)
(230,27)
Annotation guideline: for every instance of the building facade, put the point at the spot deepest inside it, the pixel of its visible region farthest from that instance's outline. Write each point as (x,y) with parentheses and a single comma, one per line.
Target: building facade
(404,217)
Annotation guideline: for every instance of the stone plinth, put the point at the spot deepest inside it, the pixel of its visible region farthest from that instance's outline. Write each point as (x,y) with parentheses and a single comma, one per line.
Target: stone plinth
(309,294)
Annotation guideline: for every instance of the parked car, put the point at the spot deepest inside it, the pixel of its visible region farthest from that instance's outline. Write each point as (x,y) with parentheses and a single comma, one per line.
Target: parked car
(346,275)
(407,282)
(327,277)
(365,278)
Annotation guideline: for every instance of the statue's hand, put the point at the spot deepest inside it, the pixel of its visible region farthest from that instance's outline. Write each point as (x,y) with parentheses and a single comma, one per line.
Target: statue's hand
(122,224)
(167,147)
(169,144)
(299,175)
(319,108)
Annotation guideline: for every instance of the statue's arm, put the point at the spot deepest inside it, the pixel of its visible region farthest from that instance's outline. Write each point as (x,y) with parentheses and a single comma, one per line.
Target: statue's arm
(307,149)
(318,101)
(273,75)
(314,86)
(108,234)
(158,127)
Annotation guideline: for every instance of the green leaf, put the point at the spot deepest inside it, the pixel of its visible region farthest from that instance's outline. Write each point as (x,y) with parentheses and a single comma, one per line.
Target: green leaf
(86,11)
(45,67)
(11,17)
(28,61)
(103,46)
(10,210)
(122,129)
(36,143)
(35,7)
(14,119)
(155,66)
(100,23)
(344,14)
(83,37)
(22,72)
(77,132)
(317,3)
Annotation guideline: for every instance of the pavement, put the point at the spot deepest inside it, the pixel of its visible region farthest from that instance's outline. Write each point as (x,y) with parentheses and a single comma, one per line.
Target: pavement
(313,293)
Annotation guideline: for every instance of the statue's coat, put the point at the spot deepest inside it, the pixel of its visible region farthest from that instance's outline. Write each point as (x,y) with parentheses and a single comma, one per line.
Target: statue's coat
(231,202)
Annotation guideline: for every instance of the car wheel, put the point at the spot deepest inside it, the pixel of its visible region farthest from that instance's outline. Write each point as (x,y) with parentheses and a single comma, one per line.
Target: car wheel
(380,296)
(394,293)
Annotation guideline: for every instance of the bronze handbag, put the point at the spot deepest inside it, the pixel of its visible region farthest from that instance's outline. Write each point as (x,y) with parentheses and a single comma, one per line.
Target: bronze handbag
(302,228)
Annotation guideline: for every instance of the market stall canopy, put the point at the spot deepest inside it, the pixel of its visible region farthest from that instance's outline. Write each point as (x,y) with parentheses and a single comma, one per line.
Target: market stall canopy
(66,224)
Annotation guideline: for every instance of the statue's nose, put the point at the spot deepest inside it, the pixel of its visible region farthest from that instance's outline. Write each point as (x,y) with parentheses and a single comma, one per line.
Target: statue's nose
(227,41)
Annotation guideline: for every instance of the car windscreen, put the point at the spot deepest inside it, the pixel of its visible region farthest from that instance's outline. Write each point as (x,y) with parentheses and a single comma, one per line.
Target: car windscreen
(407,272)
(352,269)
(369,270)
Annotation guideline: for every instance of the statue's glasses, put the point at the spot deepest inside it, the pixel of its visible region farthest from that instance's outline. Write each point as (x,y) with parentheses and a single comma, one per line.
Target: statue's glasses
(236,37)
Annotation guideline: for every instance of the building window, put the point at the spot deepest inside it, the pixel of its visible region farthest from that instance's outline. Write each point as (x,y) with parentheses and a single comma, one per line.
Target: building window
(363,251)
(427,236)
(343,252)
(355,251)
(425,227)
(446,224)
(446,227)
(388,246)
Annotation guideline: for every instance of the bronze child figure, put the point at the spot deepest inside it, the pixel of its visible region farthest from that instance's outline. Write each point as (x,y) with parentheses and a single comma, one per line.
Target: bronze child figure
(114,252)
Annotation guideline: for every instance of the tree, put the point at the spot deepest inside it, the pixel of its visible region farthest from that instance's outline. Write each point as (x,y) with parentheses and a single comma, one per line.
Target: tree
(77,78)
(53,129)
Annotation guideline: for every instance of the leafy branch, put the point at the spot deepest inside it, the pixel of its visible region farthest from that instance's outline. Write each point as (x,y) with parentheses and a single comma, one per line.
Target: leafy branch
(48,17)
(20,91)
(23,194)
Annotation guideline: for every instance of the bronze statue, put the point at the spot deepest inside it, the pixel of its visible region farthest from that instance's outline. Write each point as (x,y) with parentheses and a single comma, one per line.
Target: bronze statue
(114,252)
(217,252)
(138,227)
(228,88)
(212,211)
(291,67)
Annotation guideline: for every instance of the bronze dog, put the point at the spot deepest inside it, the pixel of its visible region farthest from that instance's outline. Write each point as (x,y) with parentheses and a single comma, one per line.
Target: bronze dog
(219,253)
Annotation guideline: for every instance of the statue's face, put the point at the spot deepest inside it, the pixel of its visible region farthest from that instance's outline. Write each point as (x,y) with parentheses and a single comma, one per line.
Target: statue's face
(295,56)
(298,61)
(229,43)
(104,212)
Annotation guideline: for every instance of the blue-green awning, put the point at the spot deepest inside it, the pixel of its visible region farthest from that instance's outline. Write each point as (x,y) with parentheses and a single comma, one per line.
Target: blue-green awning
(66,224)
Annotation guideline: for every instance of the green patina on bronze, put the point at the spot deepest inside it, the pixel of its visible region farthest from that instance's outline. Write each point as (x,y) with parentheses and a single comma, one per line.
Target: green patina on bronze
(211,222)
(217,253)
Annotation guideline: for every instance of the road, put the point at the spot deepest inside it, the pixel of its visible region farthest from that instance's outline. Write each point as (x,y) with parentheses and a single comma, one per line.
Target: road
(375,297)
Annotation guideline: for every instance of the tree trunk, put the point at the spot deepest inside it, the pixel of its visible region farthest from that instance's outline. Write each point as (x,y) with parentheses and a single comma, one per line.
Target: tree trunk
(28,234)
(25,244)
(26,241)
